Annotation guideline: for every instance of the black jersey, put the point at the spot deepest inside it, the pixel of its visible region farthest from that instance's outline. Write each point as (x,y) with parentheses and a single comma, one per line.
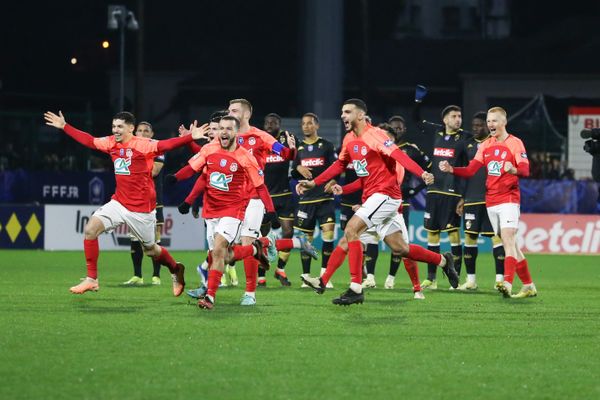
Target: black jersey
(351,198)
(451,148)
(158,180)
(317,156)
(413,151)
(277,170)
(475,191)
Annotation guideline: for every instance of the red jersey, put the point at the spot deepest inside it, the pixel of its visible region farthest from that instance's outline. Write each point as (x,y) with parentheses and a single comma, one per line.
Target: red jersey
(259,144)
(228,175)
(370,156)
(133,163)
(501,187)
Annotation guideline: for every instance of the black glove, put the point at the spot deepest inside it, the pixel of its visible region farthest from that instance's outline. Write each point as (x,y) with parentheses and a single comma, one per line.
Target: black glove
(196,209)
(183,208)
(170,179)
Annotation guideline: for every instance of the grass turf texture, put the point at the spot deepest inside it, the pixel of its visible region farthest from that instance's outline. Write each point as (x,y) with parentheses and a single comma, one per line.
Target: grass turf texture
(142,343)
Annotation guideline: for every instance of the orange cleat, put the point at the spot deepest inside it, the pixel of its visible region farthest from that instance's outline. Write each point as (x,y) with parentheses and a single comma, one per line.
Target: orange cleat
(178,280)
(85,285)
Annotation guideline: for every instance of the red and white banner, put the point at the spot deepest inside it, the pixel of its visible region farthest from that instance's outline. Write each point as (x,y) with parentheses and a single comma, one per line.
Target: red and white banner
(559,233)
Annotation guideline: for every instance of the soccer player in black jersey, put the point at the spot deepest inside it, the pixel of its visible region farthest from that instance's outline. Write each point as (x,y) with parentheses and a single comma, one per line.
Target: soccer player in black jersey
(444,195)
(475,217)
(315,155)
(277,179)
(144,129)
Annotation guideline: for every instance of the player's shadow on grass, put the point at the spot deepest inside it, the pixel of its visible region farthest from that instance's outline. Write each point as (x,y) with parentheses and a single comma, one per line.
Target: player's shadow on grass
(88,308)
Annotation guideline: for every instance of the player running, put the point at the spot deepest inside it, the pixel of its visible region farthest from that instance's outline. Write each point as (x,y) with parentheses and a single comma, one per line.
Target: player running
(505,159)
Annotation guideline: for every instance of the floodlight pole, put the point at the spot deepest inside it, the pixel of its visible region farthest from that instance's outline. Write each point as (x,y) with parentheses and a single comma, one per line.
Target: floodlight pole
(122,63)
(118,17)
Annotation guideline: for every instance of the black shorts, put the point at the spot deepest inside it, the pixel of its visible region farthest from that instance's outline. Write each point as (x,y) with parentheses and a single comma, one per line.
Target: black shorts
(307,215)
(476,220)
(345,214)
(440,213)
(160,218)
(284,207)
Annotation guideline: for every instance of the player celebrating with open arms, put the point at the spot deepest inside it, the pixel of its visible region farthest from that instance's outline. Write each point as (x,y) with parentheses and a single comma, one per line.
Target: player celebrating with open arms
(505,159)
(134,200)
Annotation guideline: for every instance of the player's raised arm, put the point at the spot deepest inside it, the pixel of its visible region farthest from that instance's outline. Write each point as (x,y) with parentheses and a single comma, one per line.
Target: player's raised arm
(58,121)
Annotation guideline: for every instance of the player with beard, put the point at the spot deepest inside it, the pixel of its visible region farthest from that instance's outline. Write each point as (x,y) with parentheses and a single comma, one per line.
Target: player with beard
(374,157)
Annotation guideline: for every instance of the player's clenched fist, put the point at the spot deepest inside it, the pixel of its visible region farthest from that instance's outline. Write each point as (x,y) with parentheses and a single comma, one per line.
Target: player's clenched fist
(508,167)
(427,178)
(445,166)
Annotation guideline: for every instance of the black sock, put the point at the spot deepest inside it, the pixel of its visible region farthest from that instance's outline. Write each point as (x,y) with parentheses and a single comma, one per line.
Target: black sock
(137,255)
(281,263)
(499,258)
(156,266)
(371,257)
(432,268)
(326,250)
(471,259)
(394,264)
(457,256)
(305,263)
(261,273)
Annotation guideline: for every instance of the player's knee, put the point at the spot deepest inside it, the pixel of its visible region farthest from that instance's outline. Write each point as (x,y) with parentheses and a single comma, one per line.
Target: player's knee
(454,237)
(496,241)
(471,239)
(327,236)
(433,238)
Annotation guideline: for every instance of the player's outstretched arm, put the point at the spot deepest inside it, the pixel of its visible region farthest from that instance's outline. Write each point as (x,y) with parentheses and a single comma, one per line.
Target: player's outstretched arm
(58,121)
(464,172)
(197,190)
(334,170)
(407,162)
(352,187)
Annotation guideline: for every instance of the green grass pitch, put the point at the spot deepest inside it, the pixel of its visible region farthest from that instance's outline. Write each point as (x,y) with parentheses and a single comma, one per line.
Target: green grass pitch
(142,343)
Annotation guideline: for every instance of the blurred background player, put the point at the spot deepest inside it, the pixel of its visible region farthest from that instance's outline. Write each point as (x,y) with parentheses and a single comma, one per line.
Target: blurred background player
(277,179)
(445,193)
(144,129)
(475,218)
(314,155)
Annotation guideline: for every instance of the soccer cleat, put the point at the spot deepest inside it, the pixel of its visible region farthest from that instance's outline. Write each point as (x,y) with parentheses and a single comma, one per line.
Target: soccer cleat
(206,303)
(272,249)
(260,255)
(306,247)
(389,282)
(282,277)
(197,293)
(329,285)
(349,297)
(203,273)
(304,285)
(232,274)
(449,270)
(315,284)
(248,301)
(468,286)
(178,280)
(134,281)
(504,289)
(427,284)
(156,280)
(497,284)
(85,285)
(419,295)
(262,282)
(526,291)
(369,282)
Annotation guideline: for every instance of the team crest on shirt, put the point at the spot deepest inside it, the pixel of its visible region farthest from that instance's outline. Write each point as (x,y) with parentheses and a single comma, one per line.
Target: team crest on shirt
(310,147)
(122,166)
(251,141)
(363,151)
(282,139)
(223,162)
(447,137)
(240,140)
(495,168)
(496,152)
(360,167)
(503,155)
(220,181)
(128,153)
(233,167)
(355,148)
(121,152)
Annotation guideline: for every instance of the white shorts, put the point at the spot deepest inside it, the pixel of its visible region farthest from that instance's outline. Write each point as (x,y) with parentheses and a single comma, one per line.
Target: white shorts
(378,232)
(378,209)
(228,227)
(141,225)
(255,213)
(504,215)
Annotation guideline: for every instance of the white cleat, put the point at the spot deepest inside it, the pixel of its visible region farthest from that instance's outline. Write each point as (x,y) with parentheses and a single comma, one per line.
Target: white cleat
(369,282)
(419,295)
(389,282)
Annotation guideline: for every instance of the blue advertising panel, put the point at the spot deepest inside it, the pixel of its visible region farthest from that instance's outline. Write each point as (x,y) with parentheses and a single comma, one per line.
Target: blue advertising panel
(21,227)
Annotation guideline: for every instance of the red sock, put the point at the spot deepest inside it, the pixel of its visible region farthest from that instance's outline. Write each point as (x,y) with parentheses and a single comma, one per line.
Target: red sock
(523,272)
(413,272)
(214,278)
(209,258)
(265,241)
(251,271)
(164,258)
(418,253)
(355,260)
(91,251)
(336,259)
(240,252)
(510,264)
(284,244)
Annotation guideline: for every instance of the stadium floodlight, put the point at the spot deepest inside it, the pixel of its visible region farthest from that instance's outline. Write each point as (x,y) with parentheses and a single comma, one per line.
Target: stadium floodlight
(119,17)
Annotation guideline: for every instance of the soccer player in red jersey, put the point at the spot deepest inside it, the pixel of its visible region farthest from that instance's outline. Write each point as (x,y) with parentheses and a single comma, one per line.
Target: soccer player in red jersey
(374,157)
(505,159)
(134,200)
(229,169)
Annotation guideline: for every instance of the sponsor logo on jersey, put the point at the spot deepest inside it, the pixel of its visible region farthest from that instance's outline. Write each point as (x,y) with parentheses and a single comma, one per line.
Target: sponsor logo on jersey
(274,158)
(388,143)
(443,152)
(360,167)
(220,181)
(495,168)
(251,141)
(469,216)
(223,162)
(122,166)
(233,167)
(313,162)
